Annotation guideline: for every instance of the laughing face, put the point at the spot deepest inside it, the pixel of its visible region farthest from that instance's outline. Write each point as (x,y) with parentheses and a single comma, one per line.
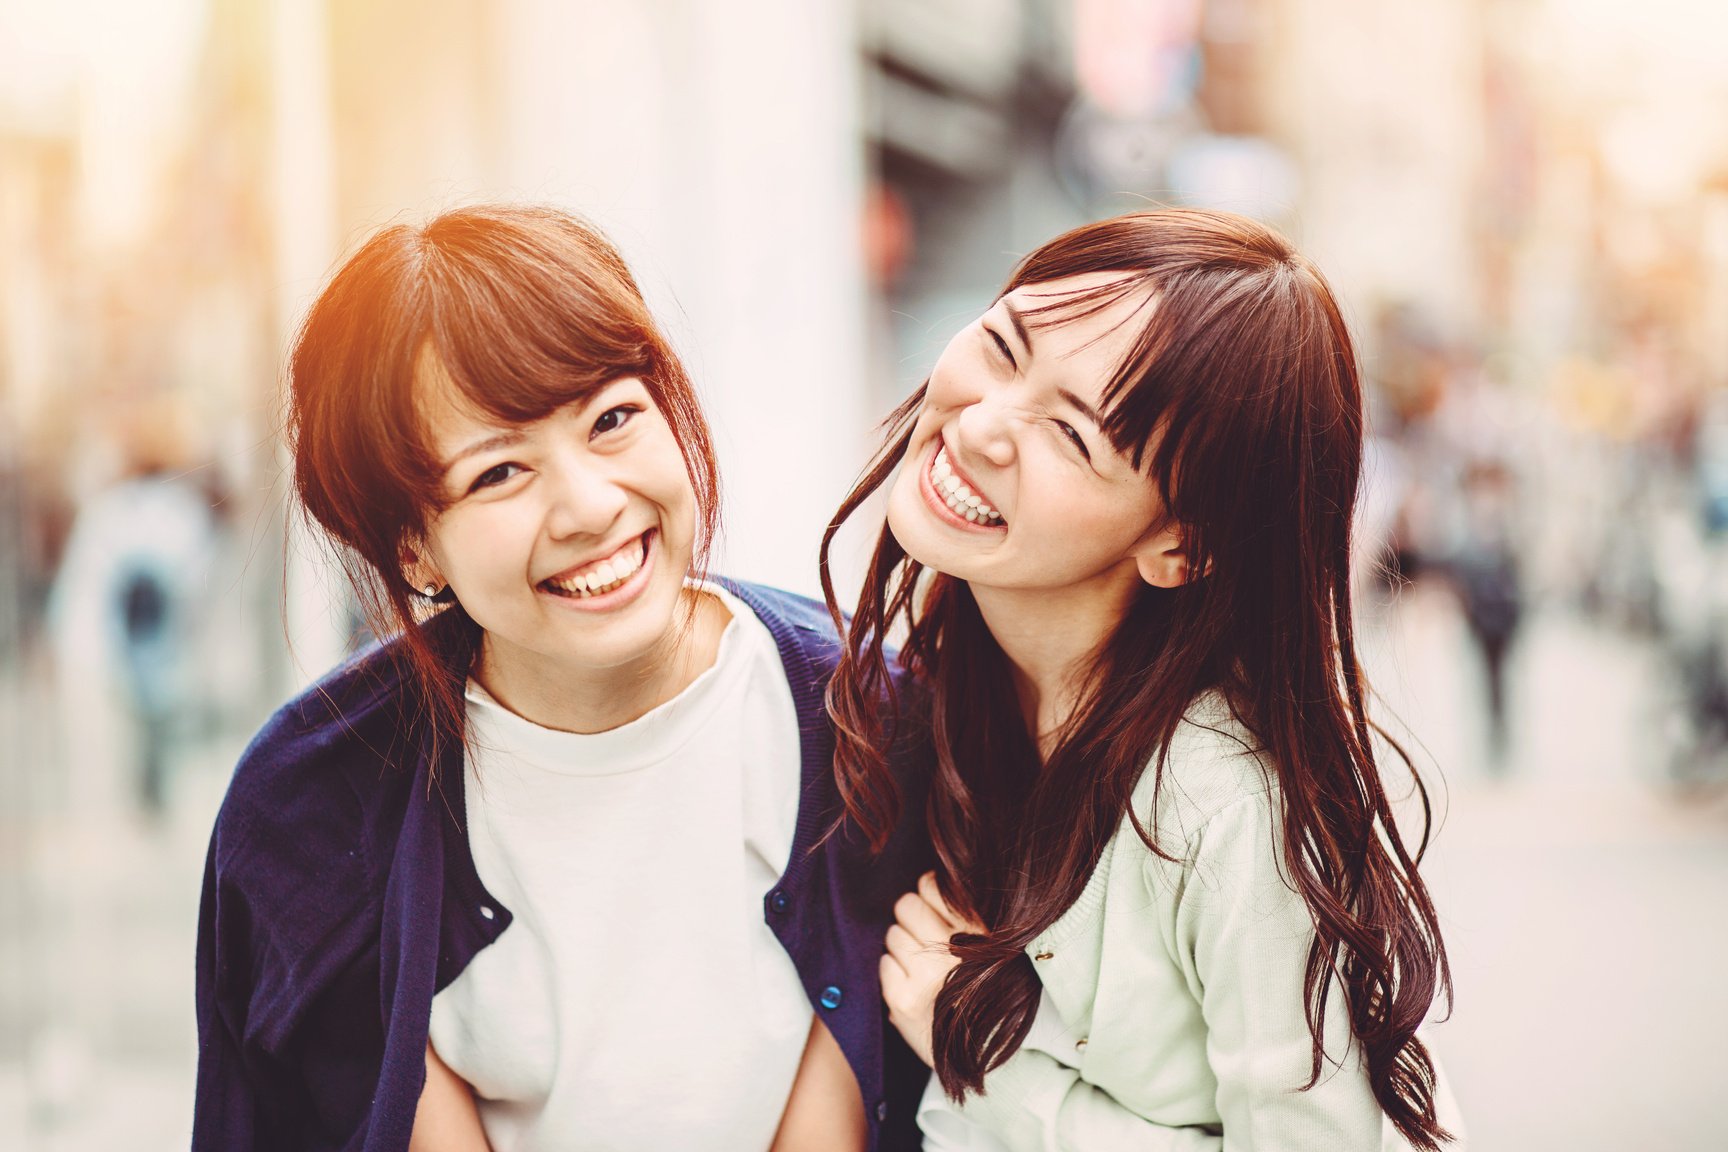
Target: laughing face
(1009,481)
(566,539)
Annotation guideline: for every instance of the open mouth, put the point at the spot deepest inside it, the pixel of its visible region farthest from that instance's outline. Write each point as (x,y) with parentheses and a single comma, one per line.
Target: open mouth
(958,495)
(604,576)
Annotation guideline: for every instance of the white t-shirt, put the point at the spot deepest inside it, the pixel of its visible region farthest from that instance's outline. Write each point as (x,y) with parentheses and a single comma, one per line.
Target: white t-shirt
(637,1000)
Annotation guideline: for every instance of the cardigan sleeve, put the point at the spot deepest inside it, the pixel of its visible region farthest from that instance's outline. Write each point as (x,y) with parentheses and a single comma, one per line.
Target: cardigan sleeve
(281,920)
(229,1106)
(1245,932)
(1034,1103)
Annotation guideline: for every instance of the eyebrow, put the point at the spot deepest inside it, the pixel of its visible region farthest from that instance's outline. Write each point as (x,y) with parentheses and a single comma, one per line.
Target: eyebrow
(504,439)
(1019,321)
(1084,408)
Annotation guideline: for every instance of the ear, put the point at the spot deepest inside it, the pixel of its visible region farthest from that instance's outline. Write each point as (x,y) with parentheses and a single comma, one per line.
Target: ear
(418,569)
(1162,557)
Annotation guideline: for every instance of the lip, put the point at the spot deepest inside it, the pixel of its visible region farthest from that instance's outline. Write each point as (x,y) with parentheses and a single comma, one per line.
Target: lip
(940,507)
(620,596)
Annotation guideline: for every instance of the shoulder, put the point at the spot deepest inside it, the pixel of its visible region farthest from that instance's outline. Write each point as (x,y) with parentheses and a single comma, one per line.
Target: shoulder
(778,608)
(1212,765)
(802,629)
(805,632)
(321,784)
(1214,808)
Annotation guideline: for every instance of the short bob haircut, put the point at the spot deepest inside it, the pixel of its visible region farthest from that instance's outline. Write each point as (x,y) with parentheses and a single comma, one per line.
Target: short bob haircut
(527,309)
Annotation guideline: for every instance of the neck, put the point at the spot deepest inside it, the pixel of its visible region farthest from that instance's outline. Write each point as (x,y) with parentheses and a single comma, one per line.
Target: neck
(1050,641)
(593,700)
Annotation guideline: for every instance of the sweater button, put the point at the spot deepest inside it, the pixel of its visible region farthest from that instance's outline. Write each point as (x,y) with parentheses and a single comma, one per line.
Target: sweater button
(831,997)
(881,1111)
(778,901)
(486,911)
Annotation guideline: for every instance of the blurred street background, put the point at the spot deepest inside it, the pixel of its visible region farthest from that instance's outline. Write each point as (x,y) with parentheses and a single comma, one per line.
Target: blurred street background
(1523,204)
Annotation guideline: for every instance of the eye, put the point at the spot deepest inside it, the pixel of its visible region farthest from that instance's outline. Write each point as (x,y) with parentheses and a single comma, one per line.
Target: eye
(613,419)
(1068,431)
(1002,347)
(494,476)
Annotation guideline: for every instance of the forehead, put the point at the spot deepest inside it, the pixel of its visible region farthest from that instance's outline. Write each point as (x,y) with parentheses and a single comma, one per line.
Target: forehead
(445,411)
(1089,321)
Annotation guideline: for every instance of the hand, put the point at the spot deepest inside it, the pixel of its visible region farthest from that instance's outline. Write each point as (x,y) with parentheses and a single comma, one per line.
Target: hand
(918,961)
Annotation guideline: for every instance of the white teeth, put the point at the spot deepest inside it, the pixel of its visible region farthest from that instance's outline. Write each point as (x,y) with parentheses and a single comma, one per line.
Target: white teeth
(961,500)
(606,575)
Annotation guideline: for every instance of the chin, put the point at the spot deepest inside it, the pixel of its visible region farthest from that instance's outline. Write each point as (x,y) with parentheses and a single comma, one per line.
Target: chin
(907,520)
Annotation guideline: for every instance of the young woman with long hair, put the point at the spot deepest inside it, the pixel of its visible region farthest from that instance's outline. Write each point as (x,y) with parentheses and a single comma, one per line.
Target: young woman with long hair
(547,868)
(1172,907)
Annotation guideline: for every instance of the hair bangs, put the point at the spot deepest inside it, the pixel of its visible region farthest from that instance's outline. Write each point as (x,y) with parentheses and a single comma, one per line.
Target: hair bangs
(517,350)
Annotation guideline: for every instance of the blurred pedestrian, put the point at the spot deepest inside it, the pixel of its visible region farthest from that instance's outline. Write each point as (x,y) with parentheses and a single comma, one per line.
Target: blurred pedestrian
(125,604)
(1485,571)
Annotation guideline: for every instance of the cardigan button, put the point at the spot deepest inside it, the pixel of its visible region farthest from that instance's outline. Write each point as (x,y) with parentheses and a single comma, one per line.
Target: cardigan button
(831,997)
(486,911)
(1080,1044)
(881,1111)
(778,901)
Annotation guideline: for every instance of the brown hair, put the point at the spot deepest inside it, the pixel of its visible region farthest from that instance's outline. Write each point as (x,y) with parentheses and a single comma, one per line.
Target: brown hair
(527,310)
(1243,381)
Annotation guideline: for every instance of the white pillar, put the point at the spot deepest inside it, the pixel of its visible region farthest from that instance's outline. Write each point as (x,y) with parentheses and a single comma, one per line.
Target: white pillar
(302,185)
(718,143)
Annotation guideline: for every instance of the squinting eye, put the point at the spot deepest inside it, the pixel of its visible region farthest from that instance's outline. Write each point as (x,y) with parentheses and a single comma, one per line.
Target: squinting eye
(1068,431)
(613,419)
(494,476)
(1001,346)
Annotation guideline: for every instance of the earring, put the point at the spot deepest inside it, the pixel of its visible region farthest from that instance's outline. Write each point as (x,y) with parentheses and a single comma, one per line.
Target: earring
(430,591)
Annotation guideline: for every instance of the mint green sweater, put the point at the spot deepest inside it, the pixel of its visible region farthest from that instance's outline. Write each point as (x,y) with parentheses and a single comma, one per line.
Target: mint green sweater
(1173,1016)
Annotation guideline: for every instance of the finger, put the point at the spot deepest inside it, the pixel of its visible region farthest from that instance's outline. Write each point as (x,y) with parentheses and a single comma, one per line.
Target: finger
(932,894)
(918,918)
(903,946)
(893,978)
(898,962)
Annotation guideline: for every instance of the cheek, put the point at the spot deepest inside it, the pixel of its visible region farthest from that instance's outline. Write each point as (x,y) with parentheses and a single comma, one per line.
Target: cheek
(669,485)
(1087,523)
(952,381)
(477,546)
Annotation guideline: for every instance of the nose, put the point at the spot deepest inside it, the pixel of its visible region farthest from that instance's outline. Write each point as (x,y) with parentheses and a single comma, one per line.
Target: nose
(583,499)
(984,429)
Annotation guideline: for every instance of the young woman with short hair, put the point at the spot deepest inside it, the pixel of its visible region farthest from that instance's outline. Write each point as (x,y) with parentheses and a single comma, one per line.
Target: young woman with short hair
(547,869)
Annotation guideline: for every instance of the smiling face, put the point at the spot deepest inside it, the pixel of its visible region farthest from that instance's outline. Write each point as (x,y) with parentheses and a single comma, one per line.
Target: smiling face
(1009,482)
(567,539)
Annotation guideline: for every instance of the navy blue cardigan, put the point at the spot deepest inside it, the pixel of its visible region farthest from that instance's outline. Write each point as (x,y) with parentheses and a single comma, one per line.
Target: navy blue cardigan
(340,895)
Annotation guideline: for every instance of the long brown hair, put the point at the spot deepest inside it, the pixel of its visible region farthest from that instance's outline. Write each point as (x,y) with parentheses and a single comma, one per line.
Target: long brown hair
(526,309)
(1242,382)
